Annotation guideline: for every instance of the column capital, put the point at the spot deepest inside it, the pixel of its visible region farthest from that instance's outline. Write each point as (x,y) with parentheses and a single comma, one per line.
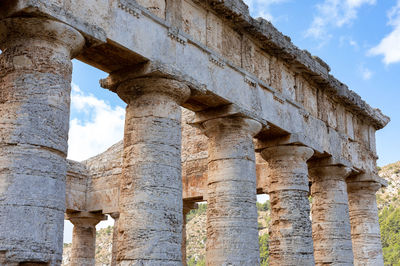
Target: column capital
(129,86)
(291,151)
(85,218)
(32,31)
(231,124)
(329,171)
(367,186)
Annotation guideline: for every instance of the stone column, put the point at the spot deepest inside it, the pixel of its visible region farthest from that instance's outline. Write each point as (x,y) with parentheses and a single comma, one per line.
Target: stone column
(330,215)
(35,76)
(150,204)
(288,188)
(365,230)
(114,251)
(83,249)
(232,233)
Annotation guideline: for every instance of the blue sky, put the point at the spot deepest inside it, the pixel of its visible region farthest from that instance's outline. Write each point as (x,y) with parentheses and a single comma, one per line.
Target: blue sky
(359,39)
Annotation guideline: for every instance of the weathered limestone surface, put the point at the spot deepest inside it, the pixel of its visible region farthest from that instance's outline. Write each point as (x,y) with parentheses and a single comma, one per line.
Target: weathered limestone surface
(225,56)
(35,81)
(77,186)
(365,230)
(204,55)
(330,215)
(232,229)
(105,172)
(84,237)
(150,206)
(194,159)
(290,230)
(114,251)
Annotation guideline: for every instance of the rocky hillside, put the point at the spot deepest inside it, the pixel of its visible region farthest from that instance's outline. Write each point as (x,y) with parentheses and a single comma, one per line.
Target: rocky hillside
(391,194)
(389,214)
(196,235)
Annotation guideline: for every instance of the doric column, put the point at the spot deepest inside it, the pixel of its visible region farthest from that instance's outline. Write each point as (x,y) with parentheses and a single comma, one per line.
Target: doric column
(35,76)
(114,251)
(330,215)
(83,249)
(187,207)
(288,187)
(150,204)
(232,235)
(365,231)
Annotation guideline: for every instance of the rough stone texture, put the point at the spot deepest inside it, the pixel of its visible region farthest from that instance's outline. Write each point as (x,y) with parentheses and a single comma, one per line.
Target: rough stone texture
(157,7)
(150,206)
(110,15)
(232,232)
(365,231)
(77,186)
(103,187)
(114,251)
(226,57)
(233,65)
(93,185)
(194,159)
(34,113)
(290,230)
(84,238)
(330,216)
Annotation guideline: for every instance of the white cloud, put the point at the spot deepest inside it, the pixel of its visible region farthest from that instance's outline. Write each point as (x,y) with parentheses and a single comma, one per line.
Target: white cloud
(261,8)
(348,40)
(334,13)
(389,46)
(366,73)
(98,127)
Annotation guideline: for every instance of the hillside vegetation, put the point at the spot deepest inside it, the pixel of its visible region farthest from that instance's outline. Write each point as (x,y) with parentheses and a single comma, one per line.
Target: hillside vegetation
(389,217)
(389,214)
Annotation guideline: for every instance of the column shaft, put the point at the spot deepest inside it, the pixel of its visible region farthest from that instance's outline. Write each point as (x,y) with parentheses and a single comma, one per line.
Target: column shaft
(330,216)
(365,230)
(150,223)
(232,233)
(290,227)
(35,81)
(114,251)
(83,249)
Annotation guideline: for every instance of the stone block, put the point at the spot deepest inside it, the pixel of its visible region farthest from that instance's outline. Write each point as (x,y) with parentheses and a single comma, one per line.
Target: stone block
(194,21)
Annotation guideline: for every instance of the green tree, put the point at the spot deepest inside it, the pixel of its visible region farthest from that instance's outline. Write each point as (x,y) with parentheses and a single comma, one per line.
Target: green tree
(389,219)
(263,206)
(264,245)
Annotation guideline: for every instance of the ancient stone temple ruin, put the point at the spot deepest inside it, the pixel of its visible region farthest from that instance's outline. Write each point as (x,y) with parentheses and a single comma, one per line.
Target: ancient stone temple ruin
(220,107)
